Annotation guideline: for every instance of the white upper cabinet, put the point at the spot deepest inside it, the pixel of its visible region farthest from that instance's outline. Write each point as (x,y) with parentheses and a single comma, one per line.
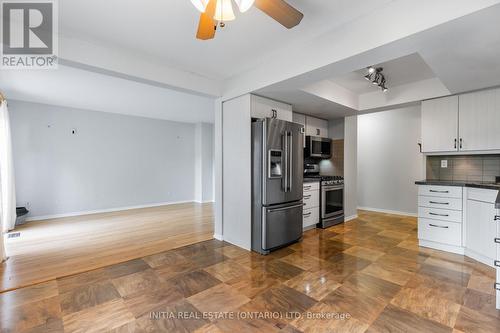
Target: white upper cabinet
(316,127)
(479,121)
(440,125)
(268,108)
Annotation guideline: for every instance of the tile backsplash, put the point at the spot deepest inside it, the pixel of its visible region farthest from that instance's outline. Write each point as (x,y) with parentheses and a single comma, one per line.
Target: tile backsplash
(477,168)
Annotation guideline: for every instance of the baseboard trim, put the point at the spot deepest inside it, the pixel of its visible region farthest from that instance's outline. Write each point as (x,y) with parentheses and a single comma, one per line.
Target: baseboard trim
(350,218)
(109,210)
(388,211)
(218,237)
(479,257)
(203,202)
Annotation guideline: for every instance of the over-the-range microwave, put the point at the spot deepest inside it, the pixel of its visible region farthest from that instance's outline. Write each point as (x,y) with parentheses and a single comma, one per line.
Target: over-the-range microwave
(318,147)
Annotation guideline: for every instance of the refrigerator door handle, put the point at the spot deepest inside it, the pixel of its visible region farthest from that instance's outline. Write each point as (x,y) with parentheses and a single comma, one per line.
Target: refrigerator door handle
(285,149)
(284,208)
(290,164)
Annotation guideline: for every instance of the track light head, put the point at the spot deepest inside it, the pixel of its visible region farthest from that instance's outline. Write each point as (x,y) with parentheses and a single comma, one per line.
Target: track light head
(368,77)
(371,70)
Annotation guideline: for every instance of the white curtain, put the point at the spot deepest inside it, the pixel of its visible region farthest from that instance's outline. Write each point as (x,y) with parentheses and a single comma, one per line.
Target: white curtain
(7,186)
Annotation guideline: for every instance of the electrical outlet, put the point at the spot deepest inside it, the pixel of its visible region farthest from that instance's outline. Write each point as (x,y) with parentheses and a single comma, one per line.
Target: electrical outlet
(444,164)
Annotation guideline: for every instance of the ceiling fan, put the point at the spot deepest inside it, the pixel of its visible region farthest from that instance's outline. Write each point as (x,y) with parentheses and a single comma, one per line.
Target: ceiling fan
(217,12)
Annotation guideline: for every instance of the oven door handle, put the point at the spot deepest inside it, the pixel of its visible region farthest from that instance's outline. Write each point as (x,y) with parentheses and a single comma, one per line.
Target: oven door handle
(332,188)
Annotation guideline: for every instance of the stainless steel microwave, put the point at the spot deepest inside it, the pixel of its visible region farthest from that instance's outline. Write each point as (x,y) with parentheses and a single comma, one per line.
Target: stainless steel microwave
(318,147)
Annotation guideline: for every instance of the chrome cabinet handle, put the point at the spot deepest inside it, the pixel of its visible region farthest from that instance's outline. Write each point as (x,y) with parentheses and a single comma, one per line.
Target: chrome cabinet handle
(455,146)
(307,196)
(497,218)
(318,132)
(275,113)
(307,214)
(436,191)
(497,240)
(307,187)
(461,143)
(496,286)
(435,214)
(439,203)
(439,226)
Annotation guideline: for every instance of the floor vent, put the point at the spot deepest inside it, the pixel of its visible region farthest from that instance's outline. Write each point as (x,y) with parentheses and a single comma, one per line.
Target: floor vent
(13,235)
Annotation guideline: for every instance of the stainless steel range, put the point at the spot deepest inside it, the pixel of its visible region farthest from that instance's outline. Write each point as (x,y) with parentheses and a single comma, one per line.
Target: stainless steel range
(331,196)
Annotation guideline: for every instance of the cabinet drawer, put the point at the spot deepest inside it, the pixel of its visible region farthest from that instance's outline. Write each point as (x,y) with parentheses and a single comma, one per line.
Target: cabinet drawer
(440,202)
(311,199)
(440,231)
(312,186)
(440,214)
(310,217)
(440,191)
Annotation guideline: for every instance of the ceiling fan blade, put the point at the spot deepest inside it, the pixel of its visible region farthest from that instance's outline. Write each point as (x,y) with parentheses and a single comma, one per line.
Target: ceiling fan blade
(280,11)
(207,25)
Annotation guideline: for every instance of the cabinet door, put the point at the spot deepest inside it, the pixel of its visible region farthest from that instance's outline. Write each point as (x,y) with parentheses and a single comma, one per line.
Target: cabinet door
(316,127)
(479,120)
(480,229)
(440,125)
(267,108)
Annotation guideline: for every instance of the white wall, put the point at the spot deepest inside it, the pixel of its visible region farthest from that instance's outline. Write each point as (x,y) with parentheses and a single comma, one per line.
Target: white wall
(204,162)
(351,167)
(389,160)
(237,172)
(113,161)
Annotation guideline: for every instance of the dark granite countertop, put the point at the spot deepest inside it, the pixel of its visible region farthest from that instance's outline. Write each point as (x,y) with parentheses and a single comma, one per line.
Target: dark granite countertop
(483,185)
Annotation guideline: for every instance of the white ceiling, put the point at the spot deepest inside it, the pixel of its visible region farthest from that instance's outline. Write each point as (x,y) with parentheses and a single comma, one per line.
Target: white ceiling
(451,58)
(404,70)
(77,88)
(165,30)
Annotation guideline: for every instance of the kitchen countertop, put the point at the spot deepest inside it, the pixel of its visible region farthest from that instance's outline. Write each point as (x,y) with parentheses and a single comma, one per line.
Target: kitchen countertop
(311,180)
(483,185)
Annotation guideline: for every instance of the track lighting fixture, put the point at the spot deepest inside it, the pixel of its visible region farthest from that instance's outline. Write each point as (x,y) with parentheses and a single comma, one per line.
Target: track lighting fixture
(376,77)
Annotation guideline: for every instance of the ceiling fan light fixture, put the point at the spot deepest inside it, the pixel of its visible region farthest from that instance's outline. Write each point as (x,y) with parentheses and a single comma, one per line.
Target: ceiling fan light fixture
(224,11)
(244,5)
(201,5)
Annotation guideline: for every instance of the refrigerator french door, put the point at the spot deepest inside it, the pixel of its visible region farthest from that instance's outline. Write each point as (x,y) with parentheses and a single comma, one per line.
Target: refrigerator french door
(277,177)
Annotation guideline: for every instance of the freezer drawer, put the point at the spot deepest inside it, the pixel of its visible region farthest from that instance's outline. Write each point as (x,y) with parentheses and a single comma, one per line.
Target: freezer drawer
(281,225)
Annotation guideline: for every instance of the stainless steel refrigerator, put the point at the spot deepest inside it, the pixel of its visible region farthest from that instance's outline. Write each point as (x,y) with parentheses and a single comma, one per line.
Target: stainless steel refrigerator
(277,177)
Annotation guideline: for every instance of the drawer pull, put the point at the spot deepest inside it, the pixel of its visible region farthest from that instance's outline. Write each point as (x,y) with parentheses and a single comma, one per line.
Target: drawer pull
(497,240)
(307,196)
(307,214)
(497,218)
(439,203)
(435,214)
(436,191)
(496,286)
(439,226)
(497,263)
(307,187)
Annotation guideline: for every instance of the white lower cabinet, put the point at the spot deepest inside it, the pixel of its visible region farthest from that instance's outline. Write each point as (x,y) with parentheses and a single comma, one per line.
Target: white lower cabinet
(476,234)
(310,217)
(497,263)
(442,232)
(440,217)
(481,228)
(311,205)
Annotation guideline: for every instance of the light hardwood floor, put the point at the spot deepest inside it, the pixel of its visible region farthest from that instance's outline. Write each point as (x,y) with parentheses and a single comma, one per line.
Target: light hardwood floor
(51,249)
